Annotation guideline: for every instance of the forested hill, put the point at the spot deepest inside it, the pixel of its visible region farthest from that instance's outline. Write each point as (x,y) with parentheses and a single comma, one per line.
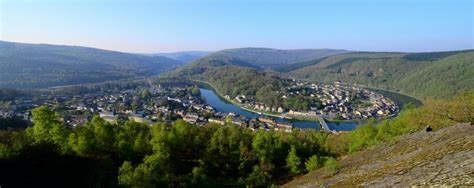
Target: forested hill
(435,74)
(271,58)
(41,65)
(245,70)
(232,76)
(185,56)
(210,62)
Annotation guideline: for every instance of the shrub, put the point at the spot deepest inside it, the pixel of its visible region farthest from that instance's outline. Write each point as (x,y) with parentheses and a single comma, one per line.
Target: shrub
(331,165)
(312,163)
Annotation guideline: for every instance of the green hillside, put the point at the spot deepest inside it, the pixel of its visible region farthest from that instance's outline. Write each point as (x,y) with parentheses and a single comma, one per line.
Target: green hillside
(436,74)
(272,58)
(41,65)
(232,76)
(208,63)
(131,154)
(402,152)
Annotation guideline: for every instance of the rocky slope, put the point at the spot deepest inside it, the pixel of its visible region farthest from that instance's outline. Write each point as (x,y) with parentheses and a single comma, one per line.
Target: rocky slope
(444,157)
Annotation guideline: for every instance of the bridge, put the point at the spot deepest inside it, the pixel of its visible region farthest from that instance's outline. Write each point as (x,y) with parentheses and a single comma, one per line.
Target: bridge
(324,126)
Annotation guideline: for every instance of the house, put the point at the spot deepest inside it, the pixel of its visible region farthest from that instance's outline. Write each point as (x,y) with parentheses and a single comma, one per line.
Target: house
(215,120)
(280,110)
(191,118)
(108,116)
(237,121)
(284,127)
(139,118)
(266,120)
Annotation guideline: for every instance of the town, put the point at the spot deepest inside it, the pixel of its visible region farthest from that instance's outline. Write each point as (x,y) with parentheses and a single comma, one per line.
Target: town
(332,101)
(172,100)
(164,102)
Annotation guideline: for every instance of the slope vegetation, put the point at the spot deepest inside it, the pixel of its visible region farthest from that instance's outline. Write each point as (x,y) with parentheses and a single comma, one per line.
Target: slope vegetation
(436,74)
(273,58)
(40,65)
(232,76)
(403,152)
(441,158)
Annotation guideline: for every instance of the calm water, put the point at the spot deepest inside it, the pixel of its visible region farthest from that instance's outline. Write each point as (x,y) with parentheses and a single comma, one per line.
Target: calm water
(222,105)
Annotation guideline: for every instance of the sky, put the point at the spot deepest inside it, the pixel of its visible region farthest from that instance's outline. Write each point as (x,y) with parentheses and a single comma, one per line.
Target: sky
(210,25)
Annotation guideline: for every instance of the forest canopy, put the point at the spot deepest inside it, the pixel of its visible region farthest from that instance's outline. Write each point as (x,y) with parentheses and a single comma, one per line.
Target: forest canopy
(132,154)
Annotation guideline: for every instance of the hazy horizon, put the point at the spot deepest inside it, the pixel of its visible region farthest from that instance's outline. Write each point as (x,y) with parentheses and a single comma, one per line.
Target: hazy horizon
(207,25)
(171,52)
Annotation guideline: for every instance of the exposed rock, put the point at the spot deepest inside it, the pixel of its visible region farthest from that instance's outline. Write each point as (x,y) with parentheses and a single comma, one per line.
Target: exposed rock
(444,157)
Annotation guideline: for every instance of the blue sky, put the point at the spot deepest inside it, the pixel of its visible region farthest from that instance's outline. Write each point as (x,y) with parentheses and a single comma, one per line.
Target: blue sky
(177,25)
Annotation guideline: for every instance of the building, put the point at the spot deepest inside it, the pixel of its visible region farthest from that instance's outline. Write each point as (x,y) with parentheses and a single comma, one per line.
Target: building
(108,116)
(215,120)
(284,127)
(191,118)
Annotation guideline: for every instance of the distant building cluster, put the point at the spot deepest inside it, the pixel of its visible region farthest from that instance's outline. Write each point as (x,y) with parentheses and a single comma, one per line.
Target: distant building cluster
(336,101)
(165,102)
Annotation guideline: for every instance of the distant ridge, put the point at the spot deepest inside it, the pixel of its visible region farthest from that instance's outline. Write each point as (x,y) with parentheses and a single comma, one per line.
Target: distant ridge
(270,58)
(184,56)
(43,65)
(423,75)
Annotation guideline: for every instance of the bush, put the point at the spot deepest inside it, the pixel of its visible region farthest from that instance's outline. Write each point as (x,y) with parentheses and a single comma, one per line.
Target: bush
(331,165)
(312,163)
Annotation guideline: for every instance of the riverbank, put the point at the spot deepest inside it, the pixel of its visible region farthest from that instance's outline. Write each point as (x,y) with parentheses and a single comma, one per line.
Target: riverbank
(297,118)
(210,86)
(400,98)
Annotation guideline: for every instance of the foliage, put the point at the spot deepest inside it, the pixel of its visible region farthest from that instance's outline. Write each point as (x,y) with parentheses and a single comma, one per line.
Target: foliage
(296,66)
(168,155)
(293,161)
(184,155)
(423,75)
(435,114)
(270,58)
(331,165)
(312,163)
(48,127)
(429,56)
(233,77)
(40,65)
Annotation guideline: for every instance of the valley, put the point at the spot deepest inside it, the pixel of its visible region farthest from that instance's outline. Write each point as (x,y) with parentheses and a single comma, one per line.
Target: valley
(236,93)
(258,109)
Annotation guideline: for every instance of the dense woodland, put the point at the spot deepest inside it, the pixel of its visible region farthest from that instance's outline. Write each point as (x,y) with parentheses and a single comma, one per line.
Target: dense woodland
(423,75)
(271,58)
(137,155)
(41,65)
(131,154)
(232,77)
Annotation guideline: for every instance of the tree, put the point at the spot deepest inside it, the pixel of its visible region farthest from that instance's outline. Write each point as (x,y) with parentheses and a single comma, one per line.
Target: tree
(331,165)
(83,141)
(258,177)
(312,163)
(48,128)
(104,133)
(132,139)
(293,161)
(363,136)
(125,176)
(195,91)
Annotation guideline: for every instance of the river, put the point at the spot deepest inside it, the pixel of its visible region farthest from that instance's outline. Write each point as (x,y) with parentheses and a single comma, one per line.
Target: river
(222,105)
